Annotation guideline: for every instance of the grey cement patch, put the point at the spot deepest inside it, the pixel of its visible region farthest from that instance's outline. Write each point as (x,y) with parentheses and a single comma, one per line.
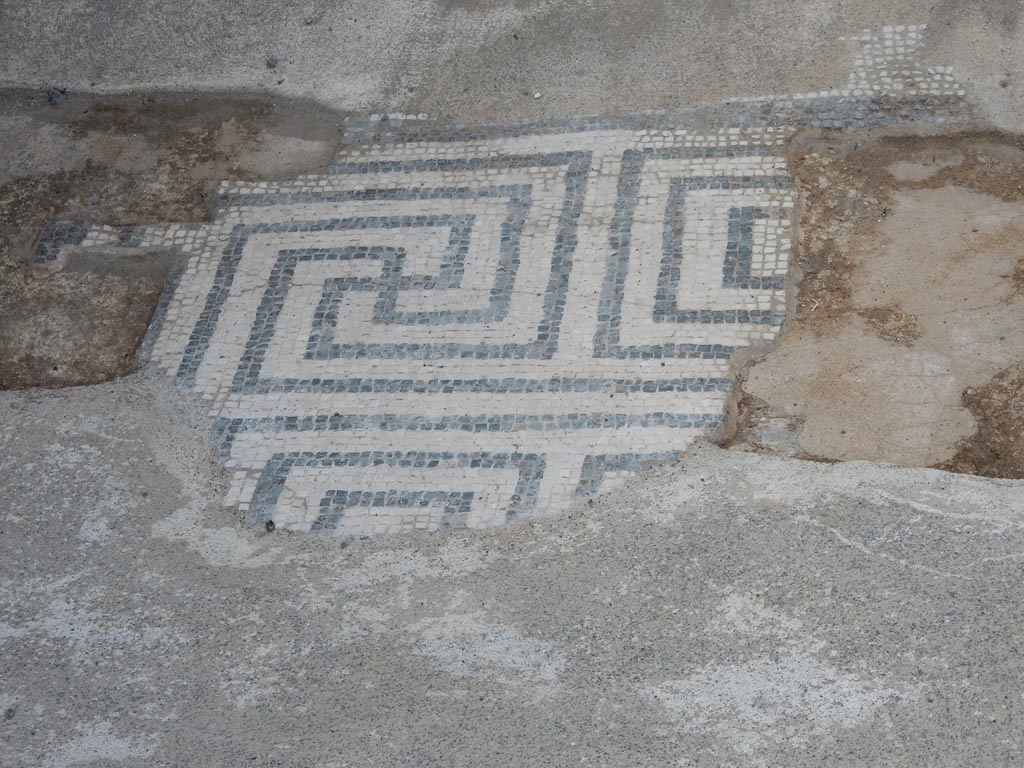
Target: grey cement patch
(97,743)
(789,695)
(924,168)
(467,645)
(736,609)
(478,61)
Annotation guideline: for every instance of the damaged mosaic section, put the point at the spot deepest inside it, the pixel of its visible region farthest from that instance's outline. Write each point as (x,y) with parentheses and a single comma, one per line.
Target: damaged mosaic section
(559,297)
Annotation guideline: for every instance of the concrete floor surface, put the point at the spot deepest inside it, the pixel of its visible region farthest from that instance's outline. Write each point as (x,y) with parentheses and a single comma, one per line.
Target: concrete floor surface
(736,609)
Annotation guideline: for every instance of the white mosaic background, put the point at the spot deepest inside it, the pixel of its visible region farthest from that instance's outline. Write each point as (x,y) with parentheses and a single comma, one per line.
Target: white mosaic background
(564,451)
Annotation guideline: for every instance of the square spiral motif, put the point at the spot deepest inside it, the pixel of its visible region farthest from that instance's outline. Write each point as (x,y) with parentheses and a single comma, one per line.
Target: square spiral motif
(345,322)
(462,326)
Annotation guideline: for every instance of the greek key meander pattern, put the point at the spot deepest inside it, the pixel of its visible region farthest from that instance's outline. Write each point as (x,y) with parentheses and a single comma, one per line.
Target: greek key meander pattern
(559,297)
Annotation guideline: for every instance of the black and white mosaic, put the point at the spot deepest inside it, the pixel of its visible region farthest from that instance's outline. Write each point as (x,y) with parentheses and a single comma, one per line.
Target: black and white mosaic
(559,297)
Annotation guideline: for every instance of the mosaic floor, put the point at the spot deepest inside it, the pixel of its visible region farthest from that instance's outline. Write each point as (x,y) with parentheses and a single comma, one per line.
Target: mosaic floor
(459,326)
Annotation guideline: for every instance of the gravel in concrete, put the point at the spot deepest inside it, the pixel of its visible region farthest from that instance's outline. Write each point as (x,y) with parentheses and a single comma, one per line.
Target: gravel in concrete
(735,610)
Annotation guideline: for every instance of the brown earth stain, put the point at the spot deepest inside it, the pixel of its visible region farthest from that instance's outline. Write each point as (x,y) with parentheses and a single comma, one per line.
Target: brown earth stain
(908,300)
(997,448)
(120,160)
(891,323)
